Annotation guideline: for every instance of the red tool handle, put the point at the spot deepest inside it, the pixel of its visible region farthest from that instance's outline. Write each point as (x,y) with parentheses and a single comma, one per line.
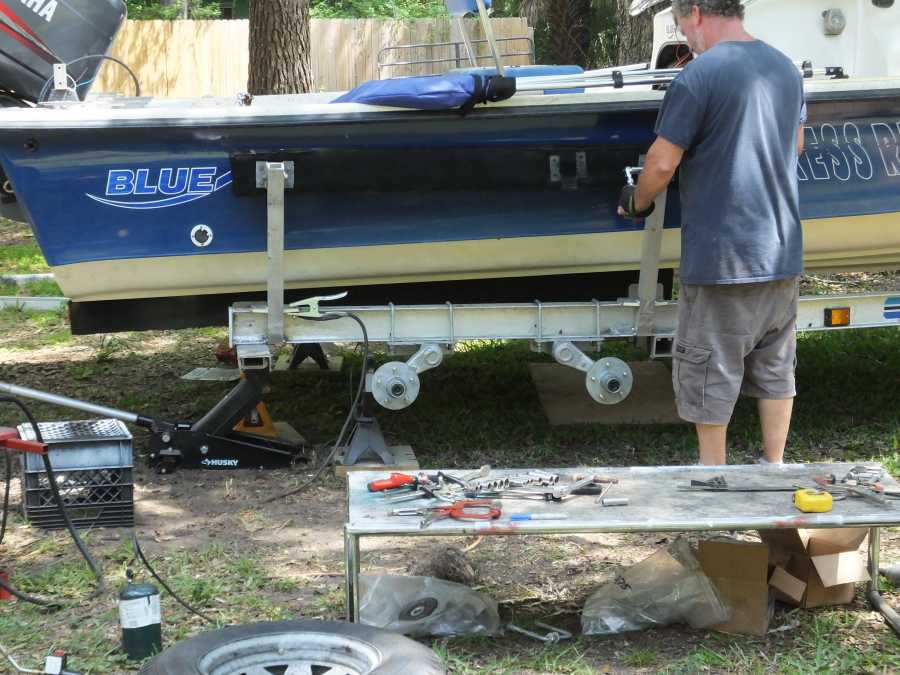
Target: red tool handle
(396,480)
(9,439)
(474,509)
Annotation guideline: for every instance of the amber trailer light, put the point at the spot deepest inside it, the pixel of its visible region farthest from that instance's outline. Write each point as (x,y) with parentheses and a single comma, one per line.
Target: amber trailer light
(837,316)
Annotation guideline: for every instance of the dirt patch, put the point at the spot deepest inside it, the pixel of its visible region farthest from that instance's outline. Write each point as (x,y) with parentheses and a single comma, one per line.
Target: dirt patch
(12,233)
(850,282)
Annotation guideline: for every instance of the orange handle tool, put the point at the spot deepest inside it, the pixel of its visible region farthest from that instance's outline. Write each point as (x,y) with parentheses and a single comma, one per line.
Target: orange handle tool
(9,439)
(396,480)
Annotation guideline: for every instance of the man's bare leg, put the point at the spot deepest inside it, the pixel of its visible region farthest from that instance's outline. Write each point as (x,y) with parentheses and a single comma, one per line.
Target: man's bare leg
(775,420)
(712,443)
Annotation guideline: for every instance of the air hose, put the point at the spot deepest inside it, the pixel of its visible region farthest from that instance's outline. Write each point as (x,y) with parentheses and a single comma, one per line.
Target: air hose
(57,497)
(351,416)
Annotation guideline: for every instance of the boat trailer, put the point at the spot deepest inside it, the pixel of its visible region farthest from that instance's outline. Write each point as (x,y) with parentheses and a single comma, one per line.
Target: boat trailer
(566,330)
(237,433)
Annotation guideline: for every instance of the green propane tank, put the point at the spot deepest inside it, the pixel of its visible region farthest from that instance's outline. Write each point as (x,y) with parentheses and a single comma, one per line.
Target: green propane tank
(139,614)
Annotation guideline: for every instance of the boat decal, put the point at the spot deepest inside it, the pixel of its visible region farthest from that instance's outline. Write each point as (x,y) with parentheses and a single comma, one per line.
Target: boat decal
(892,308)
(177,185)
(45,9)
(839,152)
(21,32)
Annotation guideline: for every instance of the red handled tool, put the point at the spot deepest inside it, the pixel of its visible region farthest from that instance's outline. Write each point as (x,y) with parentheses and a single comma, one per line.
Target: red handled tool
(463,509)
(396,480)
(10,440)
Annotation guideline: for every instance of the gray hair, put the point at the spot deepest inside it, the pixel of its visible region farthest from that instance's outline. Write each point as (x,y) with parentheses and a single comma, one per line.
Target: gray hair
(726,8)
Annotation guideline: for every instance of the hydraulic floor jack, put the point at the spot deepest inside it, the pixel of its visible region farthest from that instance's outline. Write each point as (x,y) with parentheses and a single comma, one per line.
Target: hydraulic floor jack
(236,434)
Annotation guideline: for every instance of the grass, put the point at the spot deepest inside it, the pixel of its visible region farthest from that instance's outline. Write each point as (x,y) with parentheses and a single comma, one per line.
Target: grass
(30,289)
(461,657)
(479,407)
(219,580)
(24,258)
(67,579)
(641,657)
(23,330)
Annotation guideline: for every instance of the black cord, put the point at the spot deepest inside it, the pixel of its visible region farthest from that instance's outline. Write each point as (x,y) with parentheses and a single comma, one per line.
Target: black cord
(54,488)
(351,415)
(30,598)
(139,554)
(137,84)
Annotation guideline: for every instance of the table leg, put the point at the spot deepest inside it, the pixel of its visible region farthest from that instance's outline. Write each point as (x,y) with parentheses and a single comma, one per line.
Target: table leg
(351,564)
(878,602)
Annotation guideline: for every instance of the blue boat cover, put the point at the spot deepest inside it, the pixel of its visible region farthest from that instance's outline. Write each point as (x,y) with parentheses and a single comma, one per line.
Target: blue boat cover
(449,91)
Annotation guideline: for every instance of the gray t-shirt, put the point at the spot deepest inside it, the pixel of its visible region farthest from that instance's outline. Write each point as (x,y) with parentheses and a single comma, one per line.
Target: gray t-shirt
(736,111)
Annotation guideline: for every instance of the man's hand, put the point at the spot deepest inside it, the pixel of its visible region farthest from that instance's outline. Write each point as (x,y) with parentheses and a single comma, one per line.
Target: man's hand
(662,160)
(628,208)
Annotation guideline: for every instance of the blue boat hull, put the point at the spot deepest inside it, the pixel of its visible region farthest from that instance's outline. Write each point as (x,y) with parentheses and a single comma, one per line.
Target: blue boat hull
(155,211)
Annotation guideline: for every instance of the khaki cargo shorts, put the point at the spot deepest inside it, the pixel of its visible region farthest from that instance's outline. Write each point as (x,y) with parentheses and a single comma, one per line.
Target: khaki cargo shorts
(733,339)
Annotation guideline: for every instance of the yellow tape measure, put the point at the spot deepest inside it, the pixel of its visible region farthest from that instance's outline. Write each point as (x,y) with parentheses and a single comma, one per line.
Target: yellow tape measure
(813,501)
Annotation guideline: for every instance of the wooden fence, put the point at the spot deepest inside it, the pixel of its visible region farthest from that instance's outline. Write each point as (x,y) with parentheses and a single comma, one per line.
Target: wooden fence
(200,58)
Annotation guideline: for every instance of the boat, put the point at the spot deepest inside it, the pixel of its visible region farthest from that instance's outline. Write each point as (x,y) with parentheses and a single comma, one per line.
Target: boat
(149,215)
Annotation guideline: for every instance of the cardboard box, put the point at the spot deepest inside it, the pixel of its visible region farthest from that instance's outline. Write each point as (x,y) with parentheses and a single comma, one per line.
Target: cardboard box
(788,584)
(826,561)
(740,572)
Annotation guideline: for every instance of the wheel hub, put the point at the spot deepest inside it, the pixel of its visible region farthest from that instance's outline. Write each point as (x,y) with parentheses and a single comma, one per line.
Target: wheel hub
(292,654)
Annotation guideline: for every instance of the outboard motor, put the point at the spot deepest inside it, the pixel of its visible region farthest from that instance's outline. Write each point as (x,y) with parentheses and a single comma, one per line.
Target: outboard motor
(34,35)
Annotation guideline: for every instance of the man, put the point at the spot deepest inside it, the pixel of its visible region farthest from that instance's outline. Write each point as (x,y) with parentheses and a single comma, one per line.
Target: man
(733,122)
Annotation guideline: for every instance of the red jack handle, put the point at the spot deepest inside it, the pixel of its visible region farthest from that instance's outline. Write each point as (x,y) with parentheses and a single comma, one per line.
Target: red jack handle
(396,480)
(10,440)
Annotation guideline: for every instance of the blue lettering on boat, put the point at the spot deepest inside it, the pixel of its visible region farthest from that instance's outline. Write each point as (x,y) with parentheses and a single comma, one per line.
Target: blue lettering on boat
(129,188)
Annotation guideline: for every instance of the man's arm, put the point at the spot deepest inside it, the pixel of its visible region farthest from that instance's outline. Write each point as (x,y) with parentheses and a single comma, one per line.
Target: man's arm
(660,165)
(801,141)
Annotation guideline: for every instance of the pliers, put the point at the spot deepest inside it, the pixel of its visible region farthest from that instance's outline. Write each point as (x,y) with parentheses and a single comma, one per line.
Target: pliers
(463,509)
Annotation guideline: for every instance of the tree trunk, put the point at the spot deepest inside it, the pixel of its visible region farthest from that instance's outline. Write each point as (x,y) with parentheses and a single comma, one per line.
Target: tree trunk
(570,36)
(279,47)
(635,34)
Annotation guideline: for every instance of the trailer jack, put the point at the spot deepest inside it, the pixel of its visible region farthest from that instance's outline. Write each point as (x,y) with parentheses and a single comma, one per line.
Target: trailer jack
(236,434)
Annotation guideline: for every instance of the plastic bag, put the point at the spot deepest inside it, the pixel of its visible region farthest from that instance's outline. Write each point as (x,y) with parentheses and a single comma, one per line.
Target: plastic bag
(425,606)
(668,587)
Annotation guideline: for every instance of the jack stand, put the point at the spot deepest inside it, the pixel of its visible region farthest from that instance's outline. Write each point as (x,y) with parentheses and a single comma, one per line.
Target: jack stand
(312,351)
(367,438)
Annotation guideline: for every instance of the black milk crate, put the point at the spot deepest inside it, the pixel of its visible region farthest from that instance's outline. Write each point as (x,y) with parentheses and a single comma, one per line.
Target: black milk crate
(93,462)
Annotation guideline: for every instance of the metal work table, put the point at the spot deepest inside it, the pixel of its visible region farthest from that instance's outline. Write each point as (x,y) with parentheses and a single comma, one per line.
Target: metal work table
(655,505)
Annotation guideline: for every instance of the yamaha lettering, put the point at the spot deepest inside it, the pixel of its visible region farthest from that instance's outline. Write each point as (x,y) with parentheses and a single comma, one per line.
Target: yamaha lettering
(160,188)
(45,9)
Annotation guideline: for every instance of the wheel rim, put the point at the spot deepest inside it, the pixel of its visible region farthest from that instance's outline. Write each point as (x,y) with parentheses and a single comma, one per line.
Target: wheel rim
(300,653)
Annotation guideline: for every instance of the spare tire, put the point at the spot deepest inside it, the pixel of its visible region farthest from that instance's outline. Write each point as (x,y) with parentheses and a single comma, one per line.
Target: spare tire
(296,647)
